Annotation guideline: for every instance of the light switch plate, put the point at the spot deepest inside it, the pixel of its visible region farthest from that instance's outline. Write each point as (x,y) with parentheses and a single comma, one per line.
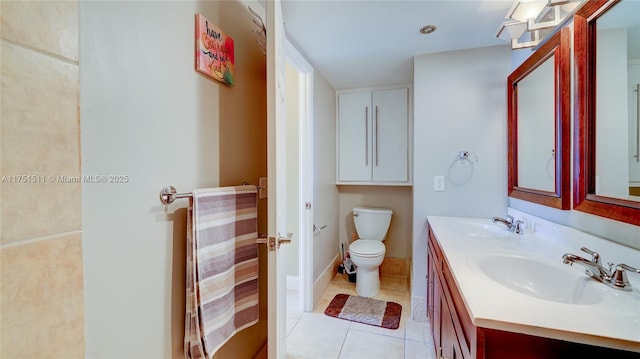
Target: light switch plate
(262,192)
(438,183)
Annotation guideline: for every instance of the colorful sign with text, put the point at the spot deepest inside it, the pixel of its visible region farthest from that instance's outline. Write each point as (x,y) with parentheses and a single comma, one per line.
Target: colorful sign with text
(214,51)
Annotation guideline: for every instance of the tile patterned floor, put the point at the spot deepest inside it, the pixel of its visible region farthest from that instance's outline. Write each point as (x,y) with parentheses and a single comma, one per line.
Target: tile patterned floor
(316,335)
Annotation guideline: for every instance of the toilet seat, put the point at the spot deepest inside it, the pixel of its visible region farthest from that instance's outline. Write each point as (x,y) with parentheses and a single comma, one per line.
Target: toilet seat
(367,248)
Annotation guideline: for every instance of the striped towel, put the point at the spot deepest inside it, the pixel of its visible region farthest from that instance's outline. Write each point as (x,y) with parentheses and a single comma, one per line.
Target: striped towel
(222,268)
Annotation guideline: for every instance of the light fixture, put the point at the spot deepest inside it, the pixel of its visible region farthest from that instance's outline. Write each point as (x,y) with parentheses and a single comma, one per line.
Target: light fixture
(529,22)
(525,10)
(514,31)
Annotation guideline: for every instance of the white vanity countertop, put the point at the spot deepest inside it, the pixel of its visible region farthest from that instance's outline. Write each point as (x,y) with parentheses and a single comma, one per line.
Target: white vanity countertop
(607,317)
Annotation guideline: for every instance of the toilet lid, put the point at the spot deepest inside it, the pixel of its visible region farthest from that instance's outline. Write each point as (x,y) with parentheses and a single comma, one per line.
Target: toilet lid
(367,247)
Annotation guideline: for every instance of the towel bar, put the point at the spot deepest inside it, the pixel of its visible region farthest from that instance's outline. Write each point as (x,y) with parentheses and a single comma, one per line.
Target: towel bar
(168,193)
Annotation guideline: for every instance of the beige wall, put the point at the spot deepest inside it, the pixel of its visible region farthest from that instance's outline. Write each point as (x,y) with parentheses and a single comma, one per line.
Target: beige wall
(398,199)
(41,252)
(243,149)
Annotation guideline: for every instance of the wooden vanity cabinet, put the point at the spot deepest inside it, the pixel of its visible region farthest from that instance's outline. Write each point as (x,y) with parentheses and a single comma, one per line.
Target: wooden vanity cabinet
(451,339)
(456,337)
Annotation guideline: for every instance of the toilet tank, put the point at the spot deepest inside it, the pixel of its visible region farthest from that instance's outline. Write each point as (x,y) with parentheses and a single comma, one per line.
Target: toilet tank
(372,223)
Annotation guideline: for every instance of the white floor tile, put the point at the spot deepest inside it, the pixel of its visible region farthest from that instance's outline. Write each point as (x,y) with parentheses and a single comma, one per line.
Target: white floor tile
(360,345)
(323,319)
(396,333)
(417,330)
(316,335)
(316,339)
(415,349)
(293,310)
(292,320)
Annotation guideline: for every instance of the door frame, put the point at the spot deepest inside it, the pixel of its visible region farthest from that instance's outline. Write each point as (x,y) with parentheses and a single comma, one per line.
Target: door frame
(276,174)
(305,175)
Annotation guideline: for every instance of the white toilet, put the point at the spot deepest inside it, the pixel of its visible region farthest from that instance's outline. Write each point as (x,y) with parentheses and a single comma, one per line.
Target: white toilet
(367,253)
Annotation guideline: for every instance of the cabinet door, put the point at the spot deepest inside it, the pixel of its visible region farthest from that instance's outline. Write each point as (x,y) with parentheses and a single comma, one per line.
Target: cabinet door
(390,136)
(450,348)
(430,278)
(437,329)
(433,293)
(355,128)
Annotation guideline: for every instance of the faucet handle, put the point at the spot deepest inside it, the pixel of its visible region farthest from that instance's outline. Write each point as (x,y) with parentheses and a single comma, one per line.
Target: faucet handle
(619,277)
(610,264)
(595,257)
(519,227)
(510,219)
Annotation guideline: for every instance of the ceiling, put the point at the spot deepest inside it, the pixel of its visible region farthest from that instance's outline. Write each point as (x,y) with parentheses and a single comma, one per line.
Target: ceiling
(366,43)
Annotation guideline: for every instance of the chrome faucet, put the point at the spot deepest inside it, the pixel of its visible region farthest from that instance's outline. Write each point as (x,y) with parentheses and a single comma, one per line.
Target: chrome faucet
(593,268)
(512,225)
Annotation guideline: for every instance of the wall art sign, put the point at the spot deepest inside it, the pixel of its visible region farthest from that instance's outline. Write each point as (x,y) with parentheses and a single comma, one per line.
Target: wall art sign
(214,51)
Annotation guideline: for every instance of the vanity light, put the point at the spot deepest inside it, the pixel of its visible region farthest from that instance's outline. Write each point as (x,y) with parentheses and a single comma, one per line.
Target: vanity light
(553,14)
(534,20)
(513,30)
(524,10)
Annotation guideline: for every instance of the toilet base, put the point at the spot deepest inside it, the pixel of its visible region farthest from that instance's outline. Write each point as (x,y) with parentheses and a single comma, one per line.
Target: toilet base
(368,281)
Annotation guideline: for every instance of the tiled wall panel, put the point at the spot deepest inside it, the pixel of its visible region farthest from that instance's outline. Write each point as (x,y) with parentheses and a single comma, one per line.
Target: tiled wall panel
(42,295)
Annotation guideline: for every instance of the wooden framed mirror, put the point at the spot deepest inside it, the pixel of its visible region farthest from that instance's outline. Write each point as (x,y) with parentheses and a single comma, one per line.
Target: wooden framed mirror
(607,67)
(539,125)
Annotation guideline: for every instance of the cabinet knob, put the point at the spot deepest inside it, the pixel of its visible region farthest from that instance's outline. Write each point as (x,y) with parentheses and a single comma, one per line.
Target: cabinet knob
(439,356)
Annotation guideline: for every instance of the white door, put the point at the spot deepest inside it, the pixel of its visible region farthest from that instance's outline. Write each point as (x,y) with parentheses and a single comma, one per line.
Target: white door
(276,170)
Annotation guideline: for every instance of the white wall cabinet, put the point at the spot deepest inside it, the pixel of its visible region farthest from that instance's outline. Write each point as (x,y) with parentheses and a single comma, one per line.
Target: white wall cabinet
(373,137)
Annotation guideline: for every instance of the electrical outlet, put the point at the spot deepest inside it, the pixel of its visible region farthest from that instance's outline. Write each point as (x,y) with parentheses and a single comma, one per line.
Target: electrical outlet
(438,183)
(262,192)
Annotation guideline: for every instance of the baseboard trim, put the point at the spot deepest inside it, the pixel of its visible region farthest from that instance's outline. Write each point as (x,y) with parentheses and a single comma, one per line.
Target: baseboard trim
(321,284)
(419,309)
(293,282)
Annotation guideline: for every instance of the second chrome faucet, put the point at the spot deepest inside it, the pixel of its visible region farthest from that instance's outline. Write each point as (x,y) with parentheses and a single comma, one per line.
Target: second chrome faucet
(511,223)
(614,278)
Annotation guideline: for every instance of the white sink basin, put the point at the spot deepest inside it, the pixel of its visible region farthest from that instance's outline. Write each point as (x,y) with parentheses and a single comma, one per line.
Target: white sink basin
(482,229)
(540,280)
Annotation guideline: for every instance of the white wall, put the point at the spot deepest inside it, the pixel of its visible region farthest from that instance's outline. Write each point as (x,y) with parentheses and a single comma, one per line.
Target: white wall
(146,113)
(325,193)
(460,103)
(290,252)
(612,126)
(633,70)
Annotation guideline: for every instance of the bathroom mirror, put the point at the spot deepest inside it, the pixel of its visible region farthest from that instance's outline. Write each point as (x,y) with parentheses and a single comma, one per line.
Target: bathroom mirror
(539,124)
(607,63)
